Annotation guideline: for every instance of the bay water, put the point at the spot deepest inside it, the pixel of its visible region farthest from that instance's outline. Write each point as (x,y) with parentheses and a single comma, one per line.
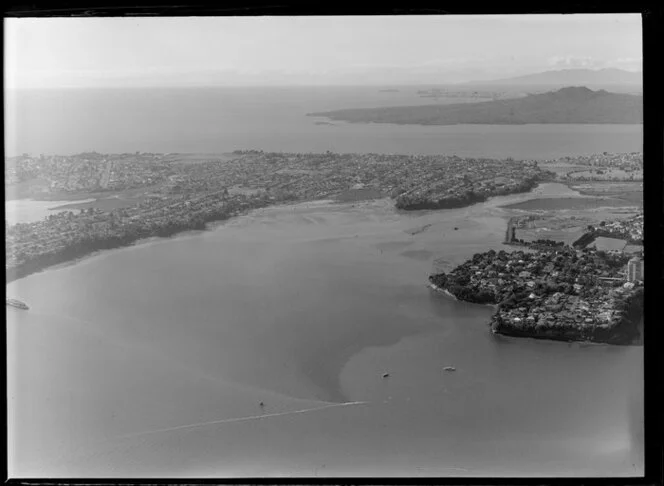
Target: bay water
(209,120)
(153,360)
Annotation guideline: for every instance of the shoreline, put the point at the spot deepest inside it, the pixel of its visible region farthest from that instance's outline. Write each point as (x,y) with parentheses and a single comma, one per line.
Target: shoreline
(13,276)
(60,260)
(441,290)
(527,306)
(95,253)
(335,120)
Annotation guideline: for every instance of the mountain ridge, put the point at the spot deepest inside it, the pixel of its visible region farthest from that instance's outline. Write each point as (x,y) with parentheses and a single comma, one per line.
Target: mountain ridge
(606,76)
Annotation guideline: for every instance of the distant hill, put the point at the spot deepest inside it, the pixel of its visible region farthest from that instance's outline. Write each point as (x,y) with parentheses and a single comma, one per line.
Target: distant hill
(567,105)
(570,77)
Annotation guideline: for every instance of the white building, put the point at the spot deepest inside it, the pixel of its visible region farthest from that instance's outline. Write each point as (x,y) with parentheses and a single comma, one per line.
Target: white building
(635,270)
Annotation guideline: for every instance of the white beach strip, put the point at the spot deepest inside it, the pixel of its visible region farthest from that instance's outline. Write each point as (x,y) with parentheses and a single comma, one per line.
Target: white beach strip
(438,289)
(243,419)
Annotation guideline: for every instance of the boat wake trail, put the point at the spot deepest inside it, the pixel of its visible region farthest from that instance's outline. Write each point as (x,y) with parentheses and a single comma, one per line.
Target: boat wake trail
(242,419)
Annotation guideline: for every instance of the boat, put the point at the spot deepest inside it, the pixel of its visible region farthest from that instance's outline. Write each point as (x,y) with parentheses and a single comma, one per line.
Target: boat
(17,303)
(449,368)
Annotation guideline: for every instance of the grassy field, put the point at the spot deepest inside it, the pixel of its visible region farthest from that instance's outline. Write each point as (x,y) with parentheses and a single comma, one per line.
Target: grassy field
(575,203)
(604,174)
(562,168)
(628,191)
(567,235)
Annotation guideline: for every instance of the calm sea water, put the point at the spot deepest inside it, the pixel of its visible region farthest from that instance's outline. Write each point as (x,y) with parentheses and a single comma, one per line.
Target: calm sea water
(29,211)
(152,360)
(219,120)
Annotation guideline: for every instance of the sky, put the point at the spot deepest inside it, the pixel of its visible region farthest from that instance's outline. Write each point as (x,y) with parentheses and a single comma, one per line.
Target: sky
(263,51)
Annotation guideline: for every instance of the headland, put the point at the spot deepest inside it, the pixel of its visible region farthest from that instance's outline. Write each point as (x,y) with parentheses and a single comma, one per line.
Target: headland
(560,294)
(574,104)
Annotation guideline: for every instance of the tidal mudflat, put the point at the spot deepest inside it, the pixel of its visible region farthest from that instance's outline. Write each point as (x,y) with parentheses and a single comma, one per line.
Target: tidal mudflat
(155,358)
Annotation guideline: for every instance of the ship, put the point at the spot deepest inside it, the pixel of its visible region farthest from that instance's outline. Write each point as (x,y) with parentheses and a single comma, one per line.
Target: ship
(17,303)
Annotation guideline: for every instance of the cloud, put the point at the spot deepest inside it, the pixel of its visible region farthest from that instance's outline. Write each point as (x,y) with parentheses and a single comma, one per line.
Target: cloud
(571,62)
(587,62)
(454,61)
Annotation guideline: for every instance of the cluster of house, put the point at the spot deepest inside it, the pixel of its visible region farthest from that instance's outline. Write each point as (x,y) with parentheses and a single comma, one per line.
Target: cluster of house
(625,161)
(630,229)
(183,195)
(86,172)
(306,176)
(25,241)
(560,310)
(14,170)
(606,167)
(320,175)
(79,233)
(566,286)
(296,175)
(474,181)
(621,236)
(134,171)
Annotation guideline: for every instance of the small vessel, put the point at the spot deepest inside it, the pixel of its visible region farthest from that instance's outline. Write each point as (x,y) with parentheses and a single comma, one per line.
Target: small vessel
(17,303)
(386,375)
(449,368)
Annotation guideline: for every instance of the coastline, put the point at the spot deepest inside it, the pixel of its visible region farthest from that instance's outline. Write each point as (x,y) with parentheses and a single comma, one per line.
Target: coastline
(527,306)
(73,255)
(12,275)
(574,335)
(60,261)
(15,276)
(434,287)
(442,290)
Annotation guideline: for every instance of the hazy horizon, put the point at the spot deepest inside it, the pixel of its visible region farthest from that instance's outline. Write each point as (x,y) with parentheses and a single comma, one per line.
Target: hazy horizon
(460,84)
(311,51)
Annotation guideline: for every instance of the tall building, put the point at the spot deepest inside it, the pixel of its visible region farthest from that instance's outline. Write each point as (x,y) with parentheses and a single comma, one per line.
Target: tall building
(635,270)
(510,234)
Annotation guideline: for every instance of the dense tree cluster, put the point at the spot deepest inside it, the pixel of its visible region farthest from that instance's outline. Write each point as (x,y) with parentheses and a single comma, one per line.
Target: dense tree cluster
(547,242)
(579,291)
(66,236)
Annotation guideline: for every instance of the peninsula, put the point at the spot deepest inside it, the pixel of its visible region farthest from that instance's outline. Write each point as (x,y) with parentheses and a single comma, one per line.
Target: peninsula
(562,294)
(146,195)
(567,105)
(475,184)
